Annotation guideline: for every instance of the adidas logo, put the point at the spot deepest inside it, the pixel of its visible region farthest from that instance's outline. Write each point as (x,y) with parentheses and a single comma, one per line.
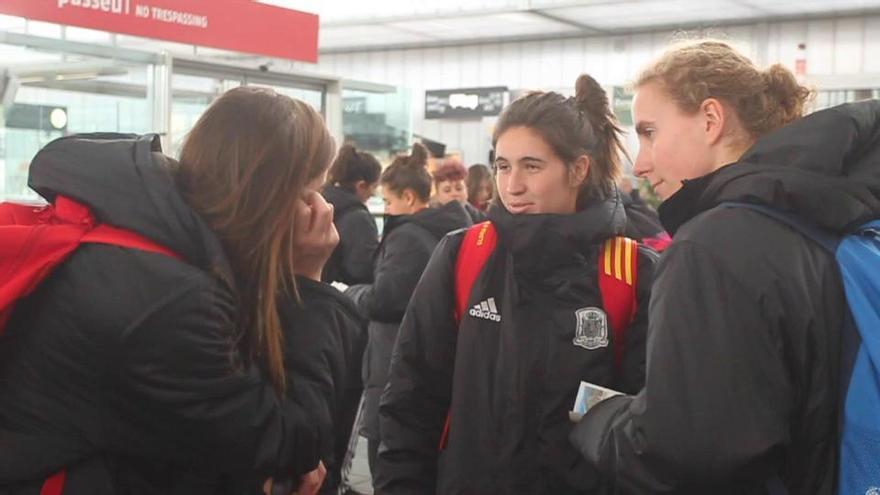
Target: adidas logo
(486,310)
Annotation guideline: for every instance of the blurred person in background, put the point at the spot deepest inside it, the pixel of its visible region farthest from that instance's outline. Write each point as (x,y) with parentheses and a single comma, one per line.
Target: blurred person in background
(411,232)
(480,186)
(449,185)
(642,222)
(352,181)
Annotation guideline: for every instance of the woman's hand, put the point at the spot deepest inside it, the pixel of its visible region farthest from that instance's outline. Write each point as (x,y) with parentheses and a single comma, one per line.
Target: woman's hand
(315,236)
(309,484)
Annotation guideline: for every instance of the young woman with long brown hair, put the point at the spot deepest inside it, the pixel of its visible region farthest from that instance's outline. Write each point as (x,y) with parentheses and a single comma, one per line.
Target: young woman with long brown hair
(135,371)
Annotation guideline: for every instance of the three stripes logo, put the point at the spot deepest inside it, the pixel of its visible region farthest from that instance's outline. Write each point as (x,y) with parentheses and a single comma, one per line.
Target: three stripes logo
(486,310)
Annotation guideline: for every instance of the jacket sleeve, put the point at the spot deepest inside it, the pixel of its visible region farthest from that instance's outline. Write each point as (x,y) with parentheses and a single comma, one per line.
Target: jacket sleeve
(415,403)
(186,400)
(402,261)
(717,396)
(632,376)
(317,356)
(359,245)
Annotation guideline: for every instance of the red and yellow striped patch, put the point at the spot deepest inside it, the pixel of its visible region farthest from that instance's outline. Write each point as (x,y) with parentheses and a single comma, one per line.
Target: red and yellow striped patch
(618,263)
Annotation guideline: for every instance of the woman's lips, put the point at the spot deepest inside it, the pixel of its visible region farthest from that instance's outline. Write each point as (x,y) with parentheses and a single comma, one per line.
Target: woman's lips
(519,207)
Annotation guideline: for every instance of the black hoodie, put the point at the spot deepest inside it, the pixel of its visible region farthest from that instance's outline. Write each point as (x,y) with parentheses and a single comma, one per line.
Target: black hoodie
(407,244)
(352,260)
(120,366)
(744,340)
(507,383)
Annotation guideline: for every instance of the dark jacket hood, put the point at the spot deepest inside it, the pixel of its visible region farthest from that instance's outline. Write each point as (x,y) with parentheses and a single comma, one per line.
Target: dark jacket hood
(127,182)
(438,221)
(594,223)
(824,168)
(342,199)
(546,245)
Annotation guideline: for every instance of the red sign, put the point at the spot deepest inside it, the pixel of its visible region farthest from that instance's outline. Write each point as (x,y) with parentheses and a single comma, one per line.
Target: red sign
(238,25)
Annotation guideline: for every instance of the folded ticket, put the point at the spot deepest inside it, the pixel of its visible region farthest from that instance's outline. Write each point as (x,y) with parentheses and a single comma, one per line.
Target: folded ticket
(588,396)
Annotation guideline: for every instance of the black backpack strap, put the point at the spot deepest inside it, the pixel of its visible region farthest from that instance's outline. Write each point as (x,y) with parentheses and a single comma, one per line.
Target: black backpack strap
(850,338)
(775,486)
(824,238)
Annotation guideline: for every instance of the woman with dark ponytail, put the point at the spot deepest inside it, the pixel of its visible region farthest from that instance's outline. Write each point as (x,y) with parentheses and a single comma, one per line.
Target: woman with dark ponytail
(351,182)
(490,357)
(411,232)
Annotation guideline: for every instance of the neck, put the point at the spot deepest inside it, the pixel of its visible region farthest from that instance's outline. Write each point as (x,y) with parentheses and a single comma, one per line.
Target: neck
(732,153)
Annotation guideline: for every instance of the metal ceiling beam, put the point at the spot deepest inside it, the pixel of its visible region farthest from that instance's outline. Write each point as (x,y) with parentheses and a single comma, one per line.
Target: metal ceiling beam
(416,32)
(568,22)
(373,21)
(112,88)
(92,50)
(610,32)
(752,5)
(213,69)
(525,7)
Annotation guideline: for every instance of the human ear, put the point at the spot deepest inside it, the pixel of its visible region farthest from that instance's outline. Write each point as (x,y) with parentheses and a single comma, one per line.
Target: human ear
(580,170)
(714,116)
(409,197)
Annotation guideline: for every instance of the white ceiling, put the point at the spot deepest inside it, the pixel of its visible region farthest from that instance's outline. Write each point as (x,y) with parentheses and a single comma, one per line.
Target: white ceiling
(351,25)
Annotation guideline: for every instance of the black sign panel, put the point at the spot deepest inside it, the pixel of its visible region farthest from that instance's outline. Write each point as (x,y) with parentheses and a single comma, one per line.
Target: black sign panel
(465,103)
(354,104)
(40,117)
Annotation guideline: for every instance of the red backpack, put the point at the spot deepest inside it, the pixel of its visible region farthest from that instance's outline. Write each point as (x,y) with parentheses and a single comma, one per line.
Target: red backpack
(34,240)
(618,268)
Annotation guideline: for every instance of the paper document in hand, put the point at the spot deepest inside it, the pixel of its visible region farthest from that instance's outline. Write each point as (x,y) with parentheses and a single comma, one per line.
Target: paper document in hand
(588,396)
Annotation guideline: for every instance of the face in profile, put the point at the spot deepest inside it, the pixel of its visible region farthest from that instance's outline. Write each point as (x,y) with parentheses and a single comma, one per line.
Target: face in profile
(672,143)
(397,203)
(364,190)
(451,190)
(530,177)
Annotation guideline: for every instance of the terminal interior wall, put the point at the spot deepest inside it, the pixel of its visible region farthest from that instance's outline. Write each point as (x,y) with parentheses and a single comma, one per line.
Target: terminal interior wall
(840,46)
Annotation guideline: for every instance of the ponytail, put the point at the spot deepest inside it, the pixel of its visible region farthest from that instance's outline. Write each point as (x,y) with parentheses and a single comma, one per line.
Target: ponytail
(418,157)
(409,172)
(607,145)
(785,99)
(352,166)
